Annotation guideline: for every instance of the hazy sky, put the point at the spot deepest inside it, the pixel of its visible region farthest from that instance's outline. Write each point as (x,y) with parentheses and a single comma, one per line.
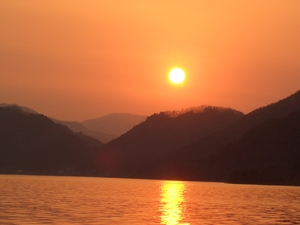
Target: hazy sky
(78,59)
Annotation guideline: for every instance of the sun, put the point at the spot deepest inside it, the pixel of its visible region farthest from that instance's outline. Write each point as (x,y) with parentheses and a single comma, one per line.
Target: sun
(176,76)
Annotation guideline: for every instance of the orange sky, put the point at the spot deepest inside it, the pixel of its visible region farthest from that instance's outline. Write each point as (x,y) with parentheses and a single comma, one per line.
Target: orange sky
(76,60)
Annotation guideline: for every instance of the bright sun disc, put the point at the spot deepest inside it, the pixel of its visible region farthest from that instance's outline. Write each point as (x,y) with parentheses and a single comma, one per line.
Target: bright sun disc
(176,76)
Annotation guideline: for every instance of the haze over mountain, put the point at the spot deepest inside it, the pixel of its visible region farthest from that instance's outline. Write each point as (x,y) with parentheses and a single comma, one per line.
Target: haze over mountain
(79,127)
(24,108)
(105,128)
(114,124)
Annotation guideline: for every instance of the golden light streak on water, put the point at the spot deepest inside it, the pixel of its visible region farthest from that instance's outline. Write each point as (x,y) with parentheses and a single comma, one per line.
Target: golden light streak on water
(172,203)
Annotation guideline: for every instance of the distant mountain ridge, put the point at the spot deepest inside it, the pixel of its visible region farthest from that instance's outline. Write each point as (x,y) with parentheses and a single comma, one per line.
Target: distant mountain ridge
(79,127)
(114,124)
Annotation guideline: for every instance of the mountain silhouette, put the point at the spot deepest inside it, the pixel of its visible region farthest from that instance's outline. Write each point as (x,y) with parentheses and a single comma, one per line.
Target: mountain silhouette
(24,108)
(211,144)
(159,135)
(33,143)
(72,125)
(268,153)
(198,160)
(202,143)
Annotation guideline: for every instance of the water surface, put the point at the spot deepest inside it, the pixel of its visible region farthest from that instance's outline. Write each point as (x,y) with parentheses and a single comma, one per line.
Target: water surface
(91,201)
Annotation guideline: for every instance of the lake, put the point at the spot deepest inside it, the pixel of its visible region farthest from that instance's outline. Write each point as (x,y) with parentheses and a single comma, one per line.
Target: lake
(90,201)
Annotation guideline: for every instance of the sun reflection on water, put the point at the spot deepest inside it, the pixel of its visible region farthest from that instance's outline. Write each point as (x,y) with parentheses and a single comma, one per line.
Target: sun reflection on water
(172,203)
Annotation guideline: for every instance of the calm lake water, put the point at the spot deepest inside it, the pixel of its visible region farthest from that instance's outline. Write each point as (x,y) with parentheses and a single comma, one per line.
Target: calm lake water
(77,200)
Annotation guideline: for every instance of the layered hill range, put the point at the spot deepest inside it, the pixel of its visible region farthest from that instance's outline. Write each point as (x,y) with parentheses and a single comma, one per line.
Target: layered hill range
(160,135)
(105,128)
(204,143)
(35,144)
(212,144)
(31,143)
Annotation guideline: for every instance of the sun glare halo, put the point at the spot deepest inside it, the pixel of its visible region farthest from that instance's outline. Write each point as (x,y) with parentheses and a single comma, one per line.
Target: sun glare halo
(176,76)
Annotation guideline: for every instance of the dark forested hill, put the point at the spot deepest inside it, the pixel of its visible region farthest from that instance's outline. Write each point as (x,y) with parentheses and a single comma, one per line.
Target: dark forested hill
(195,160)
(159,135)
(213,143)
(268,153)
(33,143)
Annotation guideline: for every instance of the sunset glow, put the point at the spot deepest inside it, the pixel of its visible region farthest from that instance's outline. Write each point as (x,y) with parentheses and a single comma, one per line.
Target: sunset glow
(76,60)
